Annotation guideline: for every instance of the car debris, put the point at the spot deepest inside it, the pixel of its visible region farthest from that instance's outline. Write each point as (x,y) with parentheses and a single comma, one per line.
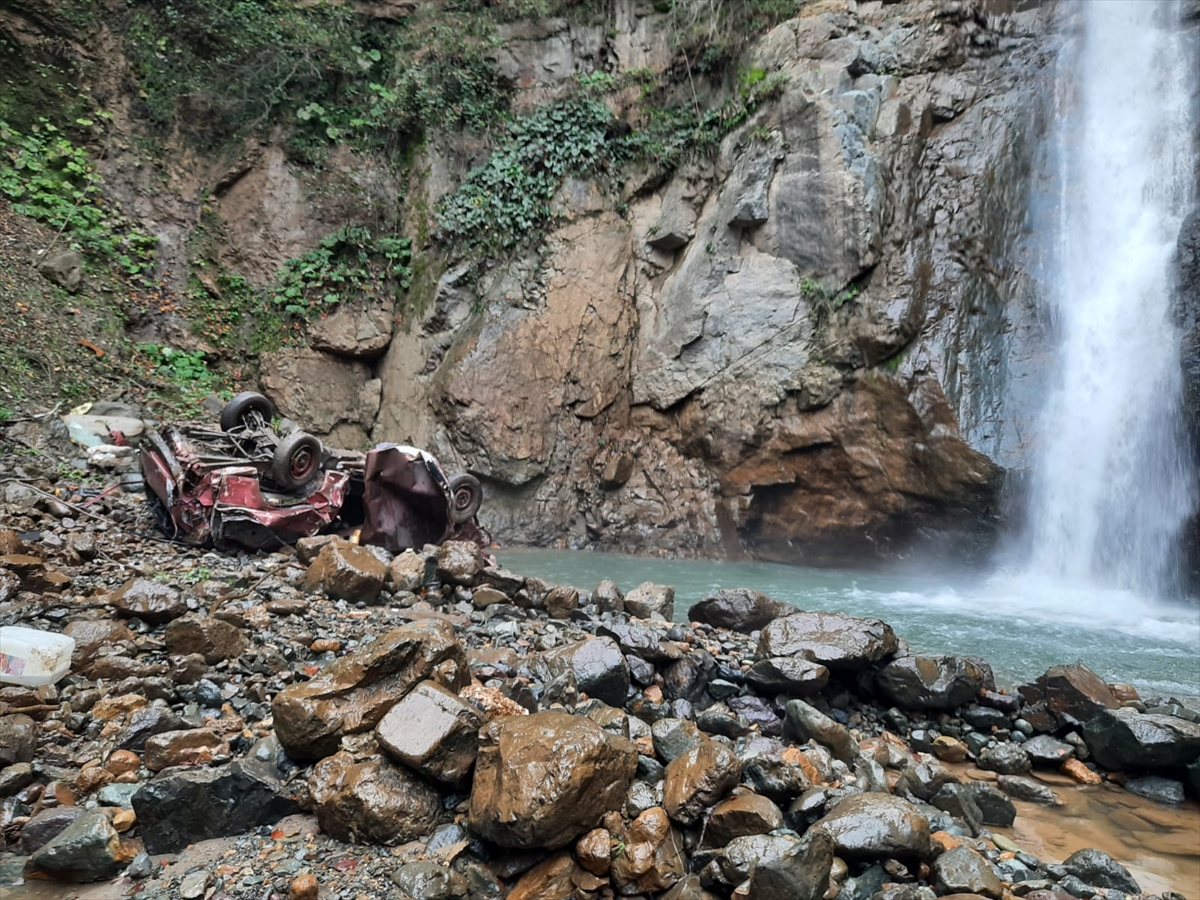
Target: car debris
(256,484)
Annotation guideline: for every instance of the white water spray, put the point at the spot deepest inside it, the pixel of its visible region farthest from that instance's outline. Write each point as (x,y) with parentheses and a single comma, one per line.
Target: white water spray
(1112,486)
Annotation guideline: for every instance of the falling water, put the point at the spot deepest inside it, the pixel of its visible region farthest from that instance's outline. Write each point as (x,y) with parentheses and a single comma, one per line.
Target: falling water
(1112,486)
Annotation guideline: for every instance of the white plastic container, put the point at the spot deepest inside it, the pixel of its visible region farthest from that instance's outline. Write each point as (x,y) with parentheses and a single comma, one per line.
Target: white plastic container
(32,658)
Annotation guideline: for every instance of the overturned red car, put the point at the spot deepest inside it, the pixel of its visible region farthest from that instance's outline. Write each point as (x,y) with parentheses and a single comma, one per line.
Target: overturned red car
(258,483)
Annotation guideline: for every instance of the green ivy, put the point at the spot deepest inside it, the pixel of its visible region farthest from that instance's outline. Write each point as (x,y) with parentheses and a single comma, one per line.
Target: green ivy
(187,368)
(348,264)
(503,202)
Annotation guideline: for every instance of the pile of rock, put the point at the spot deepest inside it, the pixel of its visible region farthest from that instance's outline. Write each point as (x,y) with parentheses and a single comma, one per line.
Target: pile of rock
(510,737)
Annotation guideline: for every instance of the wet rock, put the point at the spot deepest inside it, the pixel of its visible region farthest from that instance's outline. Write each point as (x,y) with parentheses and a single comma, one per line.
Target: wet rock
(372,800)
(406,572)
(561,601)
(459,562)
(734,864)
(949,749)
(652,858)
(995,808)
(143,724)
(957,800)
(931,682)
(18,739)
(184,805)
(674,737)
(432,731)
(745,812)
(1126,739)
(1073,690)
(544,779)
(89,849)
(1007,759)
(963,871)
(739,609)
(1098,869)
(877,826)
(781,776)
(353,693)
(832,639)
(1044,750)
(608,597)
(429,880)
(1166,791)
(1026,789)
(193,747)
(640,639)
(598,666)
(799,873)
(346,571)
(90,635)
(15,777)
(214,639)
(1079,771)
(649,599)
(805,722)
(698,779)
(688,678)
(552,879)
(594,851)
(148,600)
(792,675)
(47,825)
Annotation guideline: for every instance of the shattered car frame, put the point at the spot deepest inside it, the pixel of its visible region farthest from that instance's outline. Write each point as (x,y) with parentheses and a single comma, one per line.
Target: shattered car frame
(256,485)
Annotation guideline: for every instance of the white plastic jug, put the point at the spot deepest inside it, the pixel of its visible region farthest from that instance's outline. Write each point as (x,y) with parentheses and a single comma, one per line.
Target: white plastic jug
(32,658)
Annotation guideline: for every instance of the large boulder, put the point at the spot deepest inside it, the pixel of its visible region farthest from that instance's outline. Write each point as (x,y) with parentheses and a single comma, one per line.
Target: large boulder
(791,675)
(739,609)
(698,779)
(598,665)
(1098,869)
(650,599)
(89,849)
(804,722)
(353,693)
(931,682)
(346,571)
(963,871)
(835,640)
(372,800)
(877,826)
(433,732)
(543,780)
(799,873)
(184,805)
(1126,739)
(1073,690)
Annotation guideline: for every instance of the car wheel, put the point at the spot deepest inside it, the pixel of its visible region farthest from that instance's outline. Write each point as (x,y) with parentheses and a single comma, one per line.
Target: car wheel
(297,460)
(466,496)
(248,409)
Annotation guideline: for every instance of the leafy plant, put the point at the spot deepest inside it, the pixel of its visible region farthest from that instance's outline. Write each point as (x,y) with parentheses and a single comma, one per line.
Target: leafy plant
(5,414)
(183,367)
(348,263)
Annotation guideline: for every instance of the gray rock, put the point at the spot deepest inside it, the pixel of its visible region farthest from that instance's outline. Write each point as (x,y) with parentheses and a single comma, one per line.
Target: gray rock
(772,776)
(1026,789)
(739,609)
(193,884)
(144,724)
(958,801)
(1047,751)
(1098,869)
(687,678)
(674,737)
(931,682)
(1126,739)
(429,880)
(149,601)
(788,675)
(742,855)
(1166,791)
(649,599)
(835,640)
(598,665)
(89,849)
(47,825)
(877,826)
(119,795)
(995,808)
(432,731)
(963,871)
(65,268)
(182,806)
(799,873)
(804,722)
(18,739)
(1007,759)
(15,777)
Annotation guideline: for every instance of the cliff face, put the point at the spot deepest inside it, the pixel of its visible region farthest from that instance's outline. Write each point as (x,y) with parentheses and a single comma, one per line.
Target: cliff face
(814,344)
(804,347)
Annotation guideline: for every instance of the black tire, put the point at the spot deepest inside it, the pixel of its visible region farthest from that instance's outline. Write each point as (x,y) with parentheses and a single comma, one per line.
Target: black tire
(248,409)
(297,460)
(466,496)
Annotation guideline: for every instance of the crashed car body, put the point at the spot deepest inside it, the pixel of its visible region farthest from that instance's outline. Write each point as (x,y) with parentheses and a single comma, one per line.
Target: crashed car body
(255,486)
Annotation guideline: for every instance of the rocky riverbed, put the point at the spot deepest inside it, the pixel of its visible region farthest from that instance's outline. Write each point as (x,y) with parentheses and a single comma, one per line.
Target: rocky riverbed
(344,725)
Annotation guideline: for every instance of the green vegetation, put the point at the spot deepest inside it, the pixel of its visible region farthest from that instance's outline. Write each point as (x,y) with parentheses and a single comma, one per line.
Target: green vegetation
(50,178)
(348,264)
(5,414)
(823,303)
(184,368)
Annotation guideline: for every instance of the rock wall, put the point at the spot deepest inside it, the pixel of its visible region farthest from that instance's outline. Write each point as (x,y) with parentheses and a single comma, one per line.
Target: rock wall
(804,348)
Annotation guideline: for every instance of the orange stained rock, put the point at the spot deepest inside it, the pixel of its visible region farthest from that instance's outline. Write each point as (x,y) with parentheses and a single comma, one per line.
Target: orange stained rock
(1079,772)
(945,840)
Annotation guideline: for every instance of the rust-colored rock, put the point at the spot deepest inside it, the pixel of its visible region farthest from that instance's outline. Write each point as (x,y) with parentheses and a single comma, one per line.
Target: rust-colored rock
(493,703)
(352,694)
(699,778)
(1073,690)
(1080,772)
(214,639)
(191,747)
(542,780)
(92,634)
(304,887)
(372,800)
(745,812)
(653,857)
(121,762)
(347,572)
(552,879)
(594,851)
(148,600)
(433,732)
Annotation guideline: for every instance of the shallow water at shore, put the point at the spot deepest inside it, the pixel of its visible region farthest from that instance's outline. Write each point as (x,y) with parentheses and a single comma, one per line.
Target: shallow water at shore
(1020,625)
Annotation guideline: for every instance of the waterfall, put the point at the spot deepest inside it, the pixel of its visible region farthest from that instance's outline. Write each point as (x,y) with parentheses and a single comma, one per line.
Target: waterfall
(1112,484)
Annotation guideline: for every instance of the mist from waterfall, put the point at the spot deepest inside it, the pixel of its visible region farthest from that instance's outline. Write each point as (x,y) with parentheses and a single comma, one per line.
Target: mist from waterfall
(1112,483)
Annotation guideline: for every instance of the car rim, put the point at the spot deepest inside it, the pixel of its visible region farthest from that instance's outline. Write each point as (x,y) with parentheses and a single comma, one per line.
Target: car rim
(462,499)
(302,461)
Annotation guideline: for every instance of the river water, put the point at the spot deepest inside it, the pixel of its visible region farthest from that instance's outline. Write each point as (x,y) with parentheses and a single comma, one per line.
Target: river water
(1019,624)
